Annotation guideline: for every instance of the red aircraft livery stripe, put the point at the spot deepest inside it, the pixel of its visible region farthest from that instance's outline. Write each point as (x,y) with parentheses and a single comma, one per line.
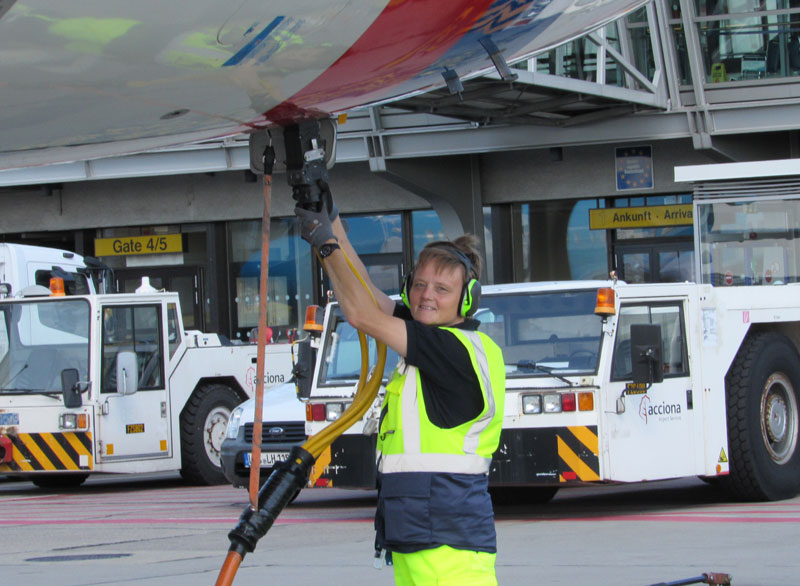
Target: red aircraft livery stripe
(384,56)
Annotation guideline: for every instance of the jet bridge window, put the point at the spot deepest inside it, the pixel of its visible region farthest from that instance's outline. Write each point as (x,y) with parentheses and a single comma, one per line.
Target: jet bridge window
(138,329)
(673,339)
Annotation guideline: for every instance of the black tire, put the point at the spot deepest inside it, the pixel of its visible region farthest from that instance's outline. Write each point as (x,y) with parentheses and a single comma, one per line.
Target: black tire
(522,495)
(710,480)
(58,481)
(761,389)
(203,423)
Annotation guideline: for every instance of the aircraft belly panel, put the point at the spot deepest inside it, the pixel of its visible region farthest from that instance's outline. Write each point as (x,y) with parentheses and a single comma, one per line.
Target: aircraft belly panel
(103,77)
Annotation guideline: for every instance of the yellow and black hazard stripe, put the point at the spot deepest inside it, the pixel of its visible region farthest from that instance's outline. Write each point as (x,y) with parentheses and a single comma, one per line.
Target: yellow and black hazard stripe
(578,452)
(49,451)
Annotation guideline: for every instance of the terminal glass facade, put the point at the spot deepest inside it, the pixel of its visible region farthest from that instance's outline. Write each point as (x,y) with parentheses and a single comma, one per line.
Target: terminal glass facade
(378,240)
(748,39)
(738,40)
(289,282)
(296,279)
(578,59)
(658,254)
(556,242)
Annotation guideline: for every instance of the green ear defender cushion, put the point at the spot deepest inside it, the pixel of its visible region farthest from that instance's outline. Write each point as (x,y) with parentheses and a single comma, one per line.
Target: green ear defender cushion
(470,298)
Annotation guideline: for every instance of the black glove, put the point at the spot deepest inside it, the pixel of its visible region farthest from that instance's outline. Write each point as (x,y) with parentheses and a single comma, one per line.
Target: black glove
(327,200)
(315,227)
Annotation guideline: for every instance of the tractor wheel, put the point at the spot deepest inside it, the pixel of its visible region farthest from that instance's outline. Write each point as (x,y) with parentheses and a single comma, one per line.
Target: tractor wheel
(522,495)
(204,421)
(58,481)
(761,388)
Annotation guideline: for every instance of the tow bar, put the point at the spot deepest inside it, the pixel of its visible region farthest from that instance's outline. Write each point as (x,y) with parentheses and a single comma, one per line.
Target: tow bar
(712,578)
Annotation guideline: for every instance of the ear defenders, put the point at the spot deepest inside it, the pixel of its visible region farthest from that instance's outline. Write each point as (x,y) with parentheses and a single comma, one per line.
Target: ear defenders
(470,299)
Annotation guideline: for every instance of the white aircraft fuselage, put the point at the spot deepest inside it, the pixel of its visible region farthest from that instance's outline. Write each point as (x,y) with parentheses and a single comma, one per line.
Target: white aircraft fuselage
(81,79)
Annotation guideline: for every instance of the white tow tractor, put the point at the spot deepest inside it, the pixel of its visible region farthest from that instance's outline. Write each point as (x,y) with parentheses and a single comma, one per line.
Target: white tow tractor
(650,382)
(112,383)
(611,382)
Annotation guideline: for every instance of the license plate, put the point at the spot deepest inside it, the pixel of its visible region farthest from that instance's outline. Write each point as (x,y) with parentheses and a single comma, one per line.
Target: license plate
(9,418)
(268,459)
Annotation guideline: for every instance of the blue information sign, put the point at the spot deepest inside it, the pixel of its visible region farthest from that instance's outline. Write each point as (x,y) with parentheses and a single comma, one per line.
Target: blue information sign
(634,166)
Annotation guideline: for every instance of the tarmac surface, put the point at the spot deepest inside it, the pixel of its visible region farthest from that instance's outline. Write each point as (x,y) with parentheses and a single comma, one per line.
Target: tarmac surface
(153,530)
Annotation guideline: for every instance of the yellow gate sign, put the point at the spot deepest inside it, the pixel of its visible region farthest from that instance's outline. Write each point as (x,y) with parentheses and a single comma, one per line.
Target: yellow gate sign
(640,217)
(125,245)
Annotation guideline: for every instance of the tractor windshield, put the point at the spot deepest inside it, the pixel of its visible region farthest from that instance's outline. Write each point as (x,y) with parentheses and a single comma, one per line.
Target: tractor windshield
(39,339)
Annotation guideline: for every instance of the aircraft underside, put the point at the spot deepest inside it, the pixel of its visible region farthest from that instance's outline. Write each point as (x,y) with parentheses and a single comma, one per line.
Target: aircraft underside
(93,78)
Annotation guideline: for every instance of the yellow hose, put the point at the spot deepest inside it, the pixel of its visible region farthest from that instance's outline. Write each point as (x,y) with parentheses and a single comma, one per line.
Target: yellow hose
(366,391)
(255,522)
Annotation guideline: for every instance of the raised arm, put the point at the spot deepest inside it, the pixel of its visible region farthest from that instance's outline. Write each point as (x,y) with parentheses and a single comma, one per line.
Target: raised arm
(358,306)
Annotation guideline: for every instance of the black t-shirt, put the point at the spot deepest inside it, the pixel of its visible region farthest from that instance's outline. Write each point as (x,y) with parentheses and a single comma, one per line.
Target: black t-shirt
(450,387)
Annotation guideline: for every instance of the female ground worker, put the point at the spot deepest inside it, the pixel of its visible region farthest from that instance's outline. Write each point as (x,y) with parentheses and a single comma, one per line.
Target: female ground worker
(441,418)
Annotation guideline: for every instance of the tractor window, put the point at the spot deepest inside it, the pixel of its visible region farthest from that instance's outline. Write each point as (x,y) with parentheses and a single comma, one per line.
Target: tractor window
(4,343)
(74,283)
(174,334)
(41,338)
(137,329)
(342,364)
(544,332)
(670,318)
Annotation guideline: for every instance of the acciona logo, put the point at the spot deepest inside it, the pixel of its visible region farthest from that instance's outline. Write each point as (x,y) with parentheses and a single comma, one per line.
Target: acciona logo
(269,378)
(662,411)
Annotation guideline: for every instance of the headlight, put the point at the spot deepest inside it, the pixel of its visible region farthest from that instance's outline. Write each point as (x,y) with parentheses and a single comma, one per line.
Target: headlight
(552,403)
(531,404)
(73,421)
(234,422)
(333,411)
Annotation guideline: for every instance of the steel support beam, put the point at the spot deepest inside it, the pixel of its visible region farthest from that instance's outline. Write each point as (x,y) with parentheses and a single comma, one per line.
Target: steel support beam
(450,184)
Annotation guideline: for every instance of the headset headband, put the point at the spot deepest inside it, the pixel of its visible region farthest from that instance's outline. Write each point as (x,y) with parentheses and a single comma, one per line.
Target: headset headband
(455,251)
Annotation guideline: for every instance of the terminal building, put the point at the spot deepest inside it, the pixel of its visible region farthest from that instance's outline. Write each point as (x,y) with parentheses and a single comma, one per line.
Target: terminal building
(563,165)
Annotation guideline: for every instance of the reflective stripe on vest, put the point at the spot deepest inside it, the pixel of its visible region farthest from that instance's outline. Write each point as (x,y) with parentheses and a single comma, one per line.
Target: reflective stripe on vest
(412,460)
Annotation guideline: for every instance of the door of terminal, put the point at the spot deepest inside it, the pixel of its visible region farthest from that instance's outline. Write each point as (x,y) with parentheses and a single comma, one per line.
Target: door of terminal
(668,262)
(186,281)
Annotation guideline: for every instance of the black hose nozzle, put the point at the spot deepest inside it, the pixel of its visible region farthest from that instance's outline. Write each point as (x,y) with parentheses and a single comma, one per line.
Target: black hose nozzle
(286,479)
(305,163)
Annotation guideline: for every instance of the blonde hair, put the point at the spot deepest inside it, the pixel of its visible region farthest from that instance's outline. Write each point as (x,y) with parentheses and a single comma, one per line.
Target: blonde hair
(445,254)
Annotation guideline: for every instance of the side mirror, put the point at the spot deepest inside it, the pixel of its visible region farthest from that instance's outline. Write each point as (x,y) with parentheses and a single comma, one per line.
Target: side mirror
(127,373)
(647,353)
(303,369)
(70,389)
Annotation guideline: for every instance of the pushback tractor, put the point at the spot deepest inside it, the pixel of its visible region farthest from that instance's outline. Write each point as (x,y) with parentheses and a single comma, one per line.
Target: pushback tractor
(112,383)
(610,382)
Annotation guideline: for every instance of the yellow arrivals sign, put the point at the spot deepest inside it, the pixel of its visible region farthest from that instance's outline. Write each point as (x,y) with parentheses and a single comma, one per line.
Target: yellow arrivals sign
(640,217)
(125,245)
